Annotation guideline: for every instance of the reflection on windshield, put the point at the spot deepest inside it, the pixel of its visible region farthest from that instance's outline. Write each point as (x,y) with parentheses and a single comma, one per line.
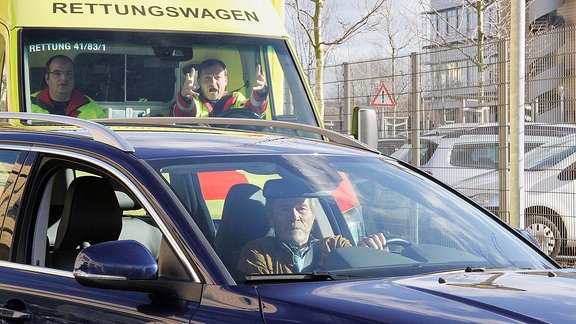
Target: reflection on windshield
(313,213)
(130,74)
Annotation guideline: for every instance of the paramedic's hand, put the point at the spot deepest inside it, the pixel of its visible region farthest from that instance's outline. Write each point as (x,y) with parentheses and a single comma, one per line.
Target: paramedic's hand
(260,82)
(375,241)
(188,89)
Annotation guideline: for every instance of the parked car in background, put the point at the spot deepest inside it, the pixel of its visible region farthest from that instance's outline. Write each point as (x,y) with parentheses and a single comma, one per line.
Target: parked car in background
(141,220)
(469,152)
(449,128)
(390,145)
(550,191)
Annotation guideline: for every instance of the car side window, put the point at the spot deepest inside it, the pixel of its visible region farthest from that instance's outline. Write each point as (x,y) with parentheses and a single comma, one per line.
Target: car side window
(479,156)
(78,208)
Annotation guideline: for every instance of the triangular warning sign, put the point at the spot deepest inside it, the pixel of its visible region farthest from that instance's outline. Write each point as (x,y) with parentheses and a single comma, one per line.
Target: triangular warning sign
(382,98)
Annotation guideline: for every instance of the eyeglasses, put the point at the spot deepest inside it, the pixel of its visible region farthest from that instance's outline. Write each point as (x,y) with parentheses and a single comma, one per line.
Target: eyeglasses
(59,74)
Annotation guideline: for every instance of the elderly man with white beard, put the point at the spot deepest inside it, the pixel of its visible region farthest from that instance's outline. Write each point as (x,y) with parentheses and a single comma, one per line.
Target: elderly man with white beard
(291,208)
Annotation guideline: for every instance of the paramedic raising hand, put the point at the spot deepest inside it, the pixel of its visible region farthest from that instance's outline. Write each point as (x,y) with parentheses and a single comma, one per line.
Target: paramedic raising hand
(212,99)
(188,86)
(260,82)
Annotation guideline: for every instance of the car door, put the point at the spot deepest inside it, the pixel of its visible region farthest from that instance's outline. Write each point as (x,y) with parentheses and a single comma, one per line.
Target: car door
(30,289)
(563,190)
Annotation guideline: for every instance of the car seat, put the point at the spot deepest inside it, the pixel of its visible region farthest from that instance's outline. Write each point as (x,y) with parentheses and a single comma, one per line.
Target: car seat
(243,220)
(91,215)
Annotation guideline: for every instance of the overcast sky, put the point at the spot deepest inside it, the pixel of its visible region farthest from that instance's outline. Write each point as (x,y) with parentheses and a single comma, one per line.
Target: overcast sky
(405,15)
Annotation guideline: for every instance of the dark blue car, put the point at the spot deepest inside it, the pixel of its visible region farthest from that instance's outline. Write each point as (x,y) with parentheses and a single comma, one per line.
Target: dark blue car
(144,221)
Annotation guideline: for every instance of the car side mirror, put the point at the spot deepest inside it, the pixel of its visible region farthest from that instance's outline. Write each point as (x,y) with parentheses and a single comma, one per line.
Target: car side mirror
(365,125)
(105,264)
(128,265)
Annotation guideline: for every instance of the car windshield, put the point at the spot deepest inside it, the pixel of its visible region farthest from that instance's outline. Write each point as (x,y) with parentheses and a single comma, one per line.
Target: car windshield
(428,227)
(136,74)
(427,149)
(550,154)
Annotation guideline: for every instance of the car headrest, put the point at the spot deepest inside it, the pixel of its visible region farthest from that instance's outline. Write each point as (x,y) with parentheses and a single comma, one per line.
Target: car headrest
(91,214)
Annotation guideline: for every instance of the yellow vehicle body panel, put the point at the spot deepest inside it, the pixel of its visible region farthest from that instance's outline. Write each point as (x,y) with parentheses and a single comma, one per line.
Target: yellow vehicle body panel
(224,16)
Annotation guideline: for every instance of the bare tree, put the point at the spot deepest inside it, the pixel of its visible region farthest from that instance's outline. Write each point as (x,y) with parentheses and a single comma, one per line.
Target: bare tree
(472,30)
(323,30)
(398,34)
(301,44)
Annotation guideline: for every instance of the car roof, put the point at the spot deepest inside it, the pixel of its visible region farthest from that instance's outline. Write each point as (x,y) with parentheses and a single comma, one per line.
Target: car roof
(448,128)
(568,139)
(178,137)
(490,139)
(490,131)
(529,130)
(173,144)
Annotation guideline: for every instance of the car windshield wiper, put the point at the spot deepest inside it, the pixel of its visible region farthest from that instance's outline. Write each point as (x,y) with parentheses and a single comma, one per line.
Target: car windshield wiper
(483,269)
(296,277)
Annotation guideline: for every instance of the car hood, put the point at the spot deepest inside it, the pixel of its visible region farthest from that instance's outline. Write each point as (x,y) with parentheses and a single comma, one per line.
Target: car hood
(461,296)
(487,181)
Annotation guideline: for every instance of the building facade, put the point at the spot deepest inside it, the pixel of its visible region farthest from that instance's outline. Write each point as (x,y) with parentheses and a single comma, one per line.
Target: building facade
(464,52)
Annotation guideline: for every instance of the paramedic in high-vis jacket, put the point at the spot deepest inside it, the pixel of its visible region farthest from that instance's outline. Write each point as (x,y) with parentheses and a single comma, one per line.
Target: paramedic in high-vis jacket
(212,99)
(60,96)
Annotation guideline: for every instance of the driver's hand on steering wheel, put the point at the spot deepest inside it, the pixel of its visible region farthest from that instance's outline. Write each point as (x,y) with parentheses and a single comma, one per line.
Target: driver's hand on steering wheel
(375,241)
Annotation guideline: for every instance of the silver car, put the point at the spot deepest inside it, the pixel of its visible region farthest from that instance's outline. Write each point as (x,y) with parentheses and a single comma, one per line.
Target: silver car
(550,171)
(466,153)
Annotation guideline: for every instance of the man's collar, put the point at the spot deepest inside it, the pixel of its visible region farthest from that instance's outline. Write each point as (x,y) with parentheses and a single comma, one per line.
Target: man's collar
(308,244)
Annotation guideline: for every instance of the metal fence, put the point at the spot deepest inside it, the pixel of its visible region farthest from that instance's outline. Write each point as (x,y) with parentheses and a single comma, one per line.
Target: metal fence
(448,90)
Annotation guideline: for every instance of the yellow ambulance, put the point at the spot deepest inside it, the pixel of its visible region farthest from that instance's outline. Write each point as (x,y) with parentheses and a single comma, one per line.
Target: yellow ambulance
(131,56)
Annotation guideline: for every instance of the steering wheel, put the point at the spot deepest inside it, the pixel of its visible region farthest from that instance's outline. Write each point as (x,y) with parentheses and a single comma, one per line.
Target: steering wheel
(240,113)
(396,244)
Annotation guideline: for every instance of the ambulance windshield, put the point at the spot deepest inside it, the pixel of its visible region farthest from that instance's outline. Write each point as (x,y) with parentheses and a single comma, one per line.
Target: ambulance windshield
(140,74)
